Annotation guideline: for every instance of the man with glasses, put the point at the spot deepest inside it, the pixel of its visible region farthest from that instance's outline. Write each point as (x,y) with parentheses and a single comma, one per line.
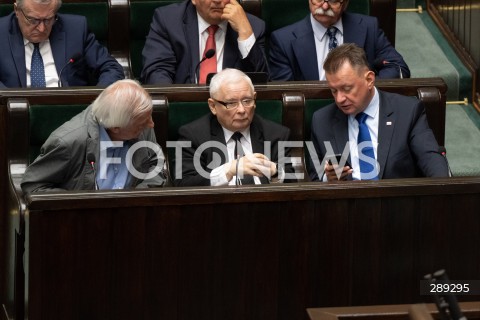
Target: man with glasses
(43,48)
(231,145)
(297,51)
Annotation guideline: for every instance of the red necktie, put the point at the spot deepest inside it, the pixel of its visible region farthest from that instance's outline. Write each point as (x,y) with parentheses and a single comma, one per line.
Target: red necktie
(209,65)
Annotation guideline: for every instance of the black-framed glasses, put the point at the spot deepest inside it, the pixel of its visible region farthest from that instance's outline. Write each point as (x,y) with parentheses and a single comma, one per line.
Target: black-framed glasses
(332,3)
(247,103)
(35,22)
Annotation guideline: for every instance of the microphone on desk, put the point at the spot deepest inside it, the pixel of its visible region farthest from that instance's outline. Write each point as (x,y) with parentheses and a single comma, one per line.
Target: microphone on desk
(443,152)
(380,63)
(91,161)
(237,179)
(210,53)
(70,61)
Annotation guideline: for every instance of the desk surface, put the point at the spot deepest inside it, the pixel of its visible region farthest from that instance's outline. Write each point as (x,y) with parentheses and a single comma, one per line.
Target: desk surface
(397,311)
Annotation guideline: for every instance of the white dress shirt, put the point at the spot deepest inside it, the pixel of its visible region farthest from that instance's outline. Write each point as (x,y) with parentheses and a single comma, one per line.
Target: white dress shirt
(51,76)
(321,42)
(244,45)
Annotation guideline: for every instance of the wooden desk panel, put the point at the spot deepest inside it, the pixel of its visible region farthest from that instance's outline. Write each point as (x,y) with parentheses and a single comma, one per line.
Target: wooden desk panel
(263,252)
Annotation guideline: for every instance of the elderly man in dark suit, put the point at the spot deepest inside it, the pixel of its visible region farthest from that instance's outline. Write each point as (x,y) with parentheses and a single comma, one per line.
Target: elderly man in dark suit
(383,135)
(178,39)
(35,32)
(297,51)
(232,142)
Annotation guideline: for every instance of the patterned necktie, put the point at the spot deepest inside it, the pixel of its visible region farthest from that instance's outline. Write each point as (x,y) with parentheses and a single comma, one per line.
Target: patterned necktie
(37,71)
(238,153)
(332,42)
(209,65)
(365,149)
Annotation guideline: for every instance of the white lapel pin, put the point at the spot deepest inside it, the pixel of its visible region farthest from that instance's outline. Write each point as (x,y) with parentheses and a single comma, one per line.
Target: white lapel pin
(389,123)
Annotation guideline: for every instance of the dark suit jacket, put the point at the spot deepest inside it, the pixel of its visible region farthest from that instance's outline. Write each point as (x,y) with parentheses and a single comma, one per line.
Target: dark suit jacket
(406,147)
(69,37)
(293,54)
(208,129)
(171,49)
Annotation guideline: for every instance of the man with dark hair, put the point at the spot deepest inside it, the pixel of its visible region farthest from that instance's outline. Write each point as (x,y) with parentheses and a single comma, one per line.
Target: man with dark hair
(383,135)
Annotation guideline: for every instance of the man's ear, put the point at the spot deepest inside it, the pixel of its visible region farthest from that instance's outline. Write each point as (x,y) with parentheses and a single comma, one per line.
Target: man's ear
(211,105)
(370,78)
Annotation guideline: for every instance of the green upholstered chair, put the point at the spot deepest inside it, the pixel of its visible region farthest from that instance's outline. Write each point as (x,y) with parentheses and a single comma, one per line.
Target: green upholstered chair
(97,17)
(44,119)
(181,113)
(280,13)
(141,13)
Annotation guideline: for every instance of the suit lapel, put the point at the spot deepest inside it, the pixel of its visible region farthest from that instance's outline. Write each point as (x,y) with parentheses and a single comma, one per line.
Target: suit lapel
(304,49)
(58,45)
(18,52)
(190,30)
(386,126)
(230,55)
(92,147)
(340,131)
(353,30)
(257,139)
(217,135)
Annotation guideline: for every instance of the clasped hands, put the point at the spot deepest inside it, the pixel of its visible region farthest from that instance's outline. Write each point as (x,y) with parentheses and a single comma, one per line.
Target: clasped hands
(255,164)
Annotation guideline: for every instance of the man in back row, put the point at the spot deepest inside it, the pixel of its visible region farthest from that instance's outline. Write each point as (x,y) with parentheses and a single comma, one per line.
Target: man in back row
(182,33)
(38,42)
(297,51)
(382,135)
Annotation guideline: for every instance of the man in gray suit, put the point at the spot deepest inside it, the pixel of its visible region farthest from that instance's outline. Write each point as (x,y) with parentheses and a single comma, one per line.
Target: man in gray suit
(383,135)
(110,145)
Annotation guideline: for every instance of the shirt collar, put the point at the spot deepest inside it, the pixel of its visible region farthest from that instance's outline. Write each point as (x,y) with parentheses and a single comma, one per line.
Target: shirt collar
(320,31)
(228,134)
(203,25)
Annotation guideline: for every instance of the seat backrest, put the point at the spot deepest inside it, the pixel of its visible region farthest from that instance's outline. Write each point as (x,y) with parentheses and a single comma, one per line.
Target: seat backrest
(181,113)
(280,13)
(44,119)
(141,13)
(96,13)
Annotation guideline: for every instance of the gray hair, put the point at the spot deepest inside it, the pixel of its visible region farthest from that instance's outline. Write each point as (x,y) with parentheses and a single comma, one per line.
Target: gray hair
(59,3)
(120,103)
(227,76)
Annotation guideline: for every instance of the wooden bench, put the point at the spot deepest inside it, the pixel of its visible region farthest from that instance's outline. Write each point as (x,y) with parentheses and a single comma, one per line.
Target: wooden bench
(297,101)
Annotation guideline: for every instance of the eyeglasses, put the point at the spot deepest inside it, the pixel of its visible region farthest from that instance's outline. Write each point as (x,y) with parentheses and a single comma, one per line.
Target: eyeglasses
(332,3)
(35,22)
(247,103)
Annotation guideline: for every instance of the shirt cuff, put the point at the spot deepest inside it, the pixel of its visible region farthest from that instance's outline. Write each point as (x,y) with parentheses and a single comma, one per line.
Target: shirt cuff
(246,45)
(218,176)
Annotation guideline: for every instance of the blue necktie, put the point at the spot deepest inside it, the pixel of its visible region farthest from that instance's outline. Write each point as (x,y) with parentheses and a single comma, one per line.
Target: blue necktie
(364,141)
(332,43)
(37,71)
